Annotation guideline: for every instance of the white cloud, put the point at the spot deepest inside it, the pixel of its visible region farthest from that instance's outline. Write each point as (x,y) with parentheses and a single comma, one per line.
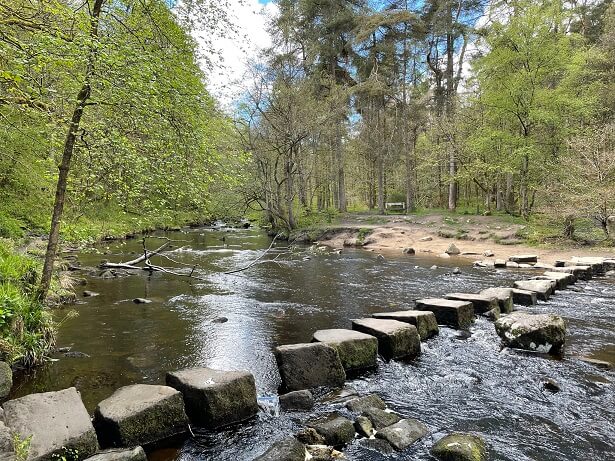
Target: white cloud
(230,55)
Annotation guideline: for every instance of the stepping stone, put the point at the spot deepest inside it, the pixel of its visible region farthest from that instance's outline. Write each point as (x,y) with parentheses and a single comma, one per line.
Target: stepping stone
(380,418)
(482,303)
(297,400)
(499,263)
(215,398)
(524,259)
(561,279)
(287,449)
(336,429)
(360,404)
(309,365)
(511,265)
(609,264)
(140,414)
(524,297)
(460,447)
(535,332)
(596,263)
(404,433)
(504,297)
(35,414)
(424,321)
(580,272)
(358,351)
(131,454)
(543,288)
(396,340)
(456,314)
(543,266)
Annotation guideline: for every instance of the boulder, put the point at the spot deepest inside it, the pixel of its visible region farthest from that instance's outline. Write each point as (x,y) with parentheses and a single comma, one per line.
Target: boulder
(287,449)
(378,445)
(456,314)
(562,280)
(408,251)
(309,365)
(297,400)
(524,259)
(358,351)
(524,297)
(543,288)
(140,414)
(580,272)
(504,297)
(424,321)
(395,339)
(460,447)
(452,250)
(6,379)
(34,415)
(324,453)
(337,430)
(131,454)
(403,433)
(482,303)
(215,398)
(360,404)
(536,332)
(6,440)
(381,418)
(364,427)
(309,436)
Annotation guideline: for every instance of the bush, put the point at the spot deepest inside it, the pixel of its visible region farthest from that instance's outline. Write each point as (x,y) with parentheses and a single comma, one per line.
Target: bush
(10,227)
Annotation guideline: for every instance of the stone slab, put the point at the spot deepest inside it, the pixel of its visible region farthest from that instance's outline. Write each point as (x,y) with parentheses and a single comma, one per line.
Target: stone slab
(504,296)
(524,297)
(396,340)
(358,351)
(482,303)
(456,314)
(424,321)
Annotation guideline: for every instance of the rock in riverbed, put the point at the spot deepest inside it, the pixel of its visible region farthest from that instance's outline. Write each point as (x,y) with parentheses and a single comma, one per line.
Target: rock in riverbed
(131,454)
(287,449)
(297,400)
(337,430)
(457,314)
(6,379)
(424,321)
(482,303)
(536,332)
(215,398)
(543,288)
(360,404)
(35,414)
(403,433)
(396,340)
(358,351)
(140,414)
(380,418)
(309,365)
(524,297)
(460,447)
(452,250)
(504,297)
(524,259)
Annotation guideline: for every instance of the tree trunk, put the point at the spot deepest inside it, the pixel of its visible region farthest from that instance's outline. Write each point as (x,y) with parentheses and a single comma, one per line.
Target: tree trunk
(67,154)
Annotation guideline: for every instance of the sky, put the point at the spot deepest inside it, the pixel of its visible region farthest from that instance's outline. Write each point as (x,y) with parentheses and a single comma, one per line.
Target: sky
(226,78)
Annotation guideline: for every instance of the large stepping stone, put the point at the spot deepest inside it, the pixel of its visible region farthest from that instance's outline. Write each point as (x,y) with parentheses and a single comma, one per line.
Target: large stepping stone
(396,340)
(336,429)
(524,297)
(456,314)
(309,365)
(215,398)
(535,332)
(460,447)
(580,272)
(358,351)
(57,423)
(287,449)
(524,259)
(482,303)
(595,262)
(543,288)
(424,321)
(561,279)
(504,297)
(140,414)
(131,454)
(403,433)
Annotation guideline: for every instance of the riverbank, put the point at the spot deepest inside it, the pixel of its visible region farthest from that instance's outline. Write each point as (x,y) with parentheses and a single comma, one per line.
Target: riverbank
(476,237)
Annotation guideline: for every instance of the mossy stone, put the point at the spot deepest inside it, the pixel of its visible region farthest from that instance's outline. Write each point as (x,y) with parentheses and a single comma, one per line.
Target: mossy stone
(6,379)
(460,447)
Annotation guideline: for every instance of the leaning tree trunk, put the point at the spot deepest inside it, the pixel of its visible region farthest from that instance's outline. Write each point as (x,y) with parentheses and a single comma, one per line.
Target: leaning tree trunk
(67,154)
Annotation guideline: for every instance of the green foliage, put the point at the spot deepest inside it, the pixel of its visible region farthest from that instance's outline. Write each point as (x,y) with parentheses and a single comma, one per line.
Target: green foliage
(21,447)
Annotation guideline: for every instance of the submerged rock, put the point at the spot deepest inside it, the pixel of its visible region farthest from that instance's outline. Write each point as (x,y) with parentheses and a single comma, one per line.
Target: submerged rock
(460,447)
(536,332)
(215,398)
(34,415)
(309,365)
(551,385)
(358,351)
(297,400)
(131,454)
(140,414)
(361,404)
(336,429)
(287,449)
(395,339)
(6,379)
(380,418)
(403,433)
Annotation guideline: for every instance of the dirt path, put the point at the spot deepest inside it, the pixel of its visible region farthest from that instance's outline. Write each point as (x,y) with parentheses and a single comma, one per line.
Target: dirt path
(473,235)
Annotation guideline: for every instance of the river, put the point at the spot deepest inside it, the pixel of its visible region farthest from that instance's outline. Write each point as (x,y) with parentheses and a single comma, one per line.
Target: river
(462,381)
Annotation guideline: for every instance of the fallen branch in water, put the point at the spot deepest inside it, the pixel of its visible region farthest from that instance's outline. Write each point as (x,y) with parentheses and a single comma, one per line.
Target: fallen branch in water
(234,271)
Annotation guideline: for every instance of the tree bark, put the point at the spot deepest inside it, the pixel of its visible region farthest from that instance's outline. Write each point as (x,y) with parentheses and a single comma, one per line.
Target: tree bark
(67,154)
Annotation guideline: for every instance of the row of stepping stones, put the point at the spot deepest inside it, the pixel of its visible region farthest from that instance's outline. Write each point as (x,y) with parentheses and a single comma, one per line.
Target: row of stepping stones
(375,427)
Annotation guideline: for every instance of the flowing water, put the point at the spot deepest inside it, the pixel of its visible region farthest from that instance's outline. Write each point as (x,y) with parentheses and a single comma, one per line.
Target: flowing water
(461,381)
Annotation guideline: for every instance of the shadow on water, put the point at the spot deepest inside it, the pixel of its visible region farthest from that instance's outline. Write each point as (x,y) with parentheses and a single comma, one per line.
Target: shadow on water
(461,381)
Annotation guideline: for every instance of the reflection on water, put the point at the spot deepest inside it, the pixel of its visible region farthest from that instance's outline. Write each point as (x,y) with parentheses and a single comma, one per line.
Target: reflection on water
(459,382)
